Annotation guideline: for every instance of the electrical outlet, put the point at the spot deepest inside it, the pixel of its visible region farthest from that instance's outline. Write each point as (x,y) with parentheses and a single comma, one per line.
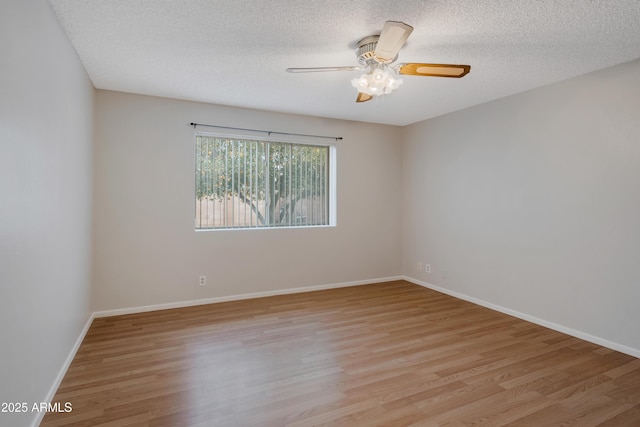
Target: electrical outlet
(203,280)
(427,268)
(444,274)
(419,265)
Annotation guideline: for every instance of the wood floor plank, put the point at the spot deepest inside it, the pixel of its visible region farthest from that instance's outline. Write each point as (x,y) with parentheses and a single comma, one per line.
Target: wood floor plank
(389,354)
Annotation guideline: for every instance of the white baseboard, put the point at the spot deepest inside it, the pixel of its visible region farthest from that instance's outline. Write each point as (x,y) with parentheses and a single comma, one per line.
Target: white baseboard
(582,335)
(63,371)
(180,304)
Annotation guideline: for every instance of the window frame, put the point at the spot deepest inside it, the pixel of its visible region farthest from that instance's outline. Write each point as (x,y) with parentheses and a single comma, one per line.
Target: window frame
(303,141)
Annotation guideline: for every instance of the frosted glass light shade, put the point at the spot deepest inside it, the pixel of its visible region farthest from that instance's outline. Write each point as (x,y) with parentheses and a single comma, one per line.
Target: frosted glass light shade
(378,81)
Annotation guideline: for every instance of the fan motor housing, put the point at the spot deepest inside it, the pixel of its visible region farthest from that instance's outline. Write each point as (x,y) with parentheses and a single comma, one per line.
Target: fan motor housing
(365,49)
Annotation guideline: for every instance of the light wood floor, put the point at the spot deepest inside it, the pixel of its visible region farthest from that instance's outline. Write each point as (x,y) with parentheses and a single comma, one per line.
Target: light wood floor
(392,354)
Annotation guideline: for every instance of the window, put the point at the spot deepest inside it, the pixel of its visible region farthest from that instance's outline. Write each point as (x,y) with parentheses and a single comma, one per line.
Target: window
(253,183)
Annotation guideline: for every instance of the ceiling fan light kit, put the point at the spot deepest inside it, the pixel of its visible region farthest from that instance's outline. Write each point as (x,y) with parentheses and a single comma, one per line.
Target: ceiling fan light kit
(376,53)
(378,81)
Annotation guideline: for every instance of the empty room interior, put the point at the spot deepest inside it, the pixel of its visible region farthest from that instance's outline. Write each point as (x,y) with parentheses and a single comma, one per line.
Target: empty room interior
(278,213)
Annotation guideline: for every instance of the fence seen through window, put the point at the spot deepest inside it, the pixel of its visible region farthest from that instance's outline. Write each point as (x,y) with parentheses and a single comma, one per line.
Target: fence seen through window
(243,183)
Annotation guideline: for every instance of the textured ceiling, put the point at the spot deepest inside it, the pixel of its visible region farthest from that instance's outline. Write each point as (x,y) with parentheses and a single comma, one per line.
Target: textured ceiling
(236,52)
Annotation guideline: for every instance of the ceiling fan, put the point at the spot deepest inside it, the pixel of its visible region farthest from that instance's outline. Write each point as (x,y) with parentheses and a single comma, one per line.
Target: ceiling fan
(377,54)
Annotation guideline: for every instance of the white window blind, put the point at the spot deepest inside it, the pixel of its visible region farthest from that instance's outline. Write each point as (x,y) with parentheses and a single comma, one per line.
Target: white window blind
(252,183)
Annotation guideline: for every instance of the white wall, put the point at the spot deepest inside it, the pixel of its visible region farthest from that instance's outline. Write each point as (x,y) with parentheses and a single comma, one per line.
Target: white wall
(146,249)
(46,114)
(532,203)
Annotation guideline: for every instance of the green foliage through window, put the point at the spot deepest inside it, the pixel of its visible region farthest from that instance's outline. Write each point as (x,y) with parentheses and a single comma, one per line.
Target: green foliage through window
(242,183)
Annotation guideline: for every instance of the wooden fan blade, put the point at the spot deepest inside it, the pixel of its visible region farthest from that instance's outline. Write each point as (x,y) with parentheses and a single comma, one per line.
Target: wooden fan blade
(394,35)
(434,70)
(363,97)
(321,69)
